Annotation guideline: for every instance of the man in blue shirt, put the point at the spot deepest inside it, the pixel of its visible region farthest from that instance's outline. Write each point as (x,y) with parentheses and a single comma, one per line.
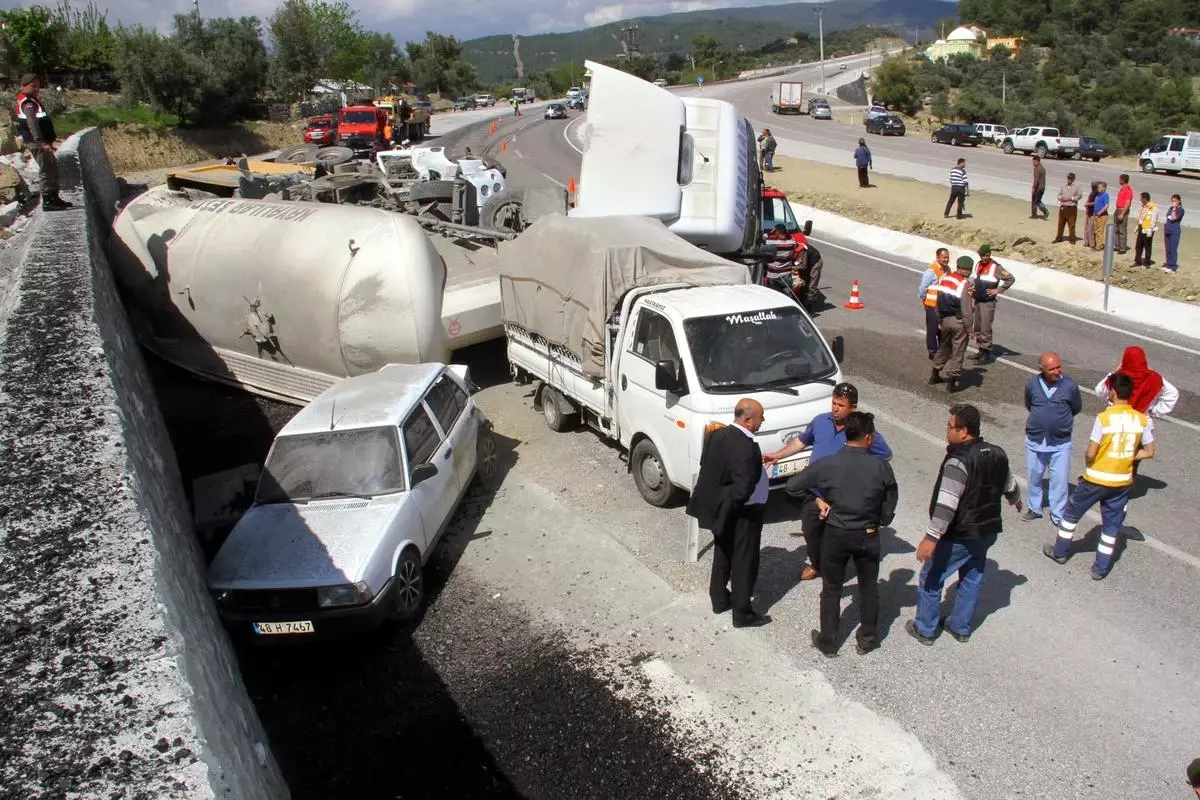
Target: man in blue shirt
(862,160)
(826,435)
(1052,400)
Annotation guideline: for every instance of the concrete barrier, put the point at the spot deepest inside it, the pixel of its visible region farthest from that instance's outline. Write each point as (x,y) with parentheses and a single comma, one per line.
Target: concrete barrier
(117,678)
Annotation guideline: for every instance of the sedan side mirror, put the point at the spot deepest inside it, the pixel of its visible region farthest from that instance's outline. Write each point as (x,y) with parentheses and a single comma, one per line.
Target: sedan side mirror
(423,472)
(838,345)
(807,227)
(665,379)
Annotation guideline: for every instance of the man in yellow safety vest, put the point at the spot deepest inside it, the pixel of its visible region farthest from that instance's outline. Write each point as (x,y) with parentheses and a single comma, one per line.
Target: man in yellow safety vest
(1121,436)
(927,293)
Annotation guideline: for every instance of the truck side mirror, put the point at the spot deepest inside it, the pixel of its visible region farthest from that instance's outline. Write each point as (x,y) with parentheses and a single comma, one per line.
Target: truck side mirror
(808,227)
(422,473)
(838,345)
(665,378)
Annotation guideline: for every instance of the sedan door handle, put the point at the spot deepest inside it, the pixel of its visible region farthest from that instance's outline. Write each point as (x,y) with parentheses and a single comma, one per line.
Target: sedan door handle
(449,452)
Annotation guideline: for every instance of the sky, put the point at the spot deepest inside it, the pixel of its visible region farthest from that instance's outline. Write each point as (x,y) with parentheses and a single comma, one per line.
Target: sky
(408,20)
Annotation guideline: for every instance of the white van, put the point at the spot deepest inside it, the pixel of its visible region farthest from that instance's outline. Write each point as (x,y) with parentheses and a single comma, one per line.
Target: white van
(991,132)
(1172,154)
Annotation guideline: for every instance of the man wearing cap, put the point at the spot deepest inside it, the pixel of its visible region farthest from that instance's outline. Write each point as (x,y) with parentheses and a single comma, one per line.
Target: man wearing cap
(37,131)
(1068,208)
(826,435)
(953,308)
(991,280)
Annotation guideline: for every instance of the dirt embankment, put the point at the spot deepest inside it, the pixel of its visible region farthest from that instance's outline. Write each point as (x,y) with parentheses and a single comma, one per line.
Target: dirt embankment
(139,149)
(907,205)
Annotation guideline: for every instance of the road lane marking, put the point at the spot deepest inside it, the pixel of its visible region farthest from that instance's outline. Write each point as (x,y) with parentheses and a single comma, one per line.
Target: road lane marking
(1092,514)
(1068,315)
(1032,371)
(567,134)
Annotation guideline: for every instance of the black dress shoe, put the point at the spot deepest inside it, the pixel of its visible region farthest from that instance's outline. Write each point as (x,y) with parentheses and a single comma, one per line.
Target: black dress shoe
(863,649)
(754,620)
(935,377)
(721,608)
(951,385)
(816,642)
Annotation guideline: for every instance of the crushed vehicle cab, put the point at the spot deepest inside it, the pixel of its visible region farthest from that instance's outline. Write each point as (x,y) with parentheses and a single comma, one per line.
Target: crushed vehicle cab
(356,492)
(650,340)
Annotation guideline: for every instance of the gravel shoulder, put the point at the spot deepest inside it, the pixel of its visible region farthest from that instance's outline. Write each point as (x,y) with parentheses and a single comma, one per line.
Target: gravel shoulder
(911,206)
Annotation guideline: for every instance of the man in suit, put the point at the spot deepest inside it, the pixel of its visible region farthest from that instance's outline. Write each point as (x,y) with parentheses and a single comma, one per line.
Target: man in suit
(728,499)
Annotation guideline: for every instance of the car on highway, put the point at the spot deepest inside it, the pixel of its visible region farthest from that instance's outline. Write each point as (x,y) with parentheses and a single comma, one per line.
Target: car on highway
(821,112)
(424,105)
(320,130)
(1091,148)
(485,100)
(464,103)
(873,111)
(556,111)
(355,494)
(661,83)
(813,102)
(890,125)
(574,92)
(957,133)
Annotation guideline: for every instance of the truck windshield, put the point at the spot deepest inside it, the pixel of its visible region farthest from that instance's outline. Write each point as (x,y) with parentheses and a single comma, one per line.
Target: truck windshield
(359,117)
(758,350)
(351,463)
(777,210)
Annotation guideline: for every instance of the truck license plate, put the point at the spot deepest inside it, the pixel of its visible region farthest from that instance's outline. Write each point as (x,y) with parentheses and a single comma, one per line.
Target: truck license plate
(785,468)
(275,628)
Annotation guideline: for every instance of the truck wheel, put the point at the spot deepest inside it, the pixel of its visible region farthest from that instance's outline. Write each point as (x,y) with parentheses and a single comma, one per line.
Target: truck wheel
(556,419)
(1040,150)
(503,211)
(1078,156)
(1148,167)
(1008,148)
(408,589)
(650,474)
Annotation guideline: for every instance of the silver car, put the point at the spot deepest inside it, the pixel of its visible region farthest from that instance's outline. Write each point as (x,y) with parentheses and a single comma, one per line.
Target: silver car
(355,493)
(822,112)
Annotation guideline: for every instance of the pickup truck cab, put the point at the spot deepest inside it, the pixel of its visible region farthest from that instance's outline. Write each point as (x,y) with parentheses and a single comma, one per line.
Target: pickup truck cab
(1172,154)
(1041,142)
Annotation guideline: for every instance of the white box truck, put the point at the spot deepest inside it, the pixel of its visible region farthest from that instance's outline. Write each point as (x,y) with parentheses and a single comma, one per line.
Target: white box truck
(788,98)
(651,341)
(1172,154)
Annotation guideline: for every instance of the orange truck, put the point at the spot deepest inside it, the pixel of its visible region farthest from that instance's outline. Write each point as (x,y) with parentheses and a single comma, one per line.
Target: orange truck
(363,128)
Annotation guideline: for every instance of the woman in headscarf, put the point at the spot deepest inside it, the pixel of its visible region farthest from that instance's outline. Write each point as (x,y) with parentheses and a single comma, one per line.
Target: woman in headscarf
(1152,394)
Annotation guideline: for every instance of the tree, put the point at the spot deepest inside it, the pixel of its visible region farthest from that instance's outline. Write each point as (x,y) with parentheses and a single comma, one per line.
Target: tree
(437,65)
(643,66)
(895,83)
(88,43)
(316,39)
(33,38)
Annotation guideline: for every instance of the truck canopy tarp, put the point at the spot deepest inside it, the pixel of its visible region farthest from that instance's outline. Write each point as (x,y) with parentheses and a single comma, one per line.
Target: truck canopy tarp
(562,278)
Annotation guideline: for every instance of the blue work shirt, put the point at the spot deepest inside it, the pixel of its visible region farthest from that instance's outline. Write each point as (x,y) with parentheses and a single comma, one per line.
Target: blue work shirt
(824,439)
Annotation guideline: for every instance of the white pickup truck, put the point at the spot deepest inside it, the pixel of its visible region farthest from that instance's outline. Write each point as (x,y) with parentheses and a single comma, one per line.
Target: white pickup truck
(1041,142)
(651,341)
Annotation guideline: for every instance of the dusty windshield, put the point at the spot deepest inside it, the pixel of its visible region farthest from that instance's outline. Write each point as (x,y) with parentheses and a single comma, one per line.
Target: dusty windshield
(351,463)
(359,117)
(757,350)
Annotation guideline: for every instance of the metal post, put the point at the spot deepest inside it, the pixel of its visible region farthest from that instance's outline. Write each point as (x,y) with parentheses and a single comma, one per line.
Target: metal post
(1110,237)
(821,34)
(691,542)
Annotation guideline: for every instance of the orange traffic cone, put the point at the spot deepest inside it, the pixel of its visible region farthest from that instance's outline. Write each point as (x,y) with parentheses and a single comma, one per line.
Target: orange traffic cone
(571,192)
(855,303)
(503,145)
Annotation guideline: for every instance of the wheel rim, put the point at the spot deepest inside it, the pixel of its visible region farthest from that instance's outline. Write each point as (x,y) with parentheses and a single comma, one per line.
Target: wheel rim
(954,141)
(550,408)
(487,457)
(508,216)
(651,472)
(408,588)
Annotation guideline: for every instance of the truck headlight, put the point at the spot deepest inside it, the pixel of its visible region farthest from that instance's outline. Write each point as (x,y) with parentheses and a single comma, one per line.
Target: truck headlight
(347,594)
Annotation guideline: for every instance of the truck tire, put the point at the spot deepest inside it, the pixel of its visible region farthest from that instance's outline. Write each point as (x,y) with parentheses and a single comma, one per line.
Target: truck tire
(502,211)
(300,154)
(1147,167)
(557,420)
(1007,147)
(1040,150)
(332,156)
(1078,156)
(650,475)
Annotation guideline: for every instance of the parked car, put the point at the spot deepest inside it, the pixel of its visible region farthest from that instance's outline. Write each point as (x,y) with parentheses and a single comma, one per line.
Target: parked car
(355,494)
(320,130)
(822,112)
(485,100)
(1091,148)
(991,132)
(464,103)
(660,82)
(891,125)
(874,111)
(556,111)
(814,102)
(957,133)
(574,92)
(1041,142)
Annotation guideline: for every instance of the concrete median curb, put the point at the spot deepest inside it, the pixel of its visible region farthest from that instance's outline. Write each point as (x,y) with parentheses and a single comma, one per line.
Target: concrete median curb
(1033,280)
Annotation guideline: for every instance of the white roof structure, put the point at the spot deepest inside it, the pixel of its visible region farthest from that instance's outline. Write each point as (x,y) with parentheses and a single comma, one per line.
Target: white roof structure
(961,34)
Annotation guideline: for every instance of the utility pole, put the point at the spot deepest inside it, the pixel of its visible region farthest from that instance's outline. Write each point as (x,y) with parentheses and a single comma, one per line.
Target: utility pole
(1004,87)
(820,9)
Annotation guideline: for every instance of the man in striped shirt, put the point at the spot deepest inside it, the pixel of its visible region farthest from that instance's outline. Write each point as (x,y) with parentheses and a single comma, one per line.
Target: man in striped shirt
(964,520)
(958,187)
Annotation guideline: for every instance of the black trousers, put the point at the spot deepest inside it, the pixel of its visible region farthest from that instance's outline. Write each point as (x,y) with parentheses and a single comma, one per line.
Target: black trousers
(863,180)
(957,194)
(1141,249)
(735,562)
(840,547)
(933,327)
(813,529)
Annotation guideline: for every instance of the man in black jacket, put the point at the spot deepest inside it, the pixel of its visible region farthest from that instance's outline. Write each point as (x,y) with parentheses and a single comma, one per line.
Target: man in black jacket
(728,499)
(859,496)
(964,520)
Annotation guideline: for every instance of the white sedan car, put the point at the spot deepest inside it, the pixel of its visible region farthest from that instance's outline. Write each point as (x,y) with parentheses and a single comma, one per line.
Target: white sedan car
(355,493)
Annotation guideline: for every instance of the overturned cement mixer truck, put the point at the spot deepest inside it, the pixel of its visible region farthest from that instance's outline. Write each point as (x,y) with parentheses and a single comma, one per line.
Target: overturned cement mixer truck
(287,297)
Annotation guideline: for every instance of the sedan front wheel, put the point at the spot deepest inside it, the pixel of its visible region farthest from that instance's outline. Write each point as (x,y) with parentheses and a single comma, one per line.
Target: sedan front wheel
(408,590)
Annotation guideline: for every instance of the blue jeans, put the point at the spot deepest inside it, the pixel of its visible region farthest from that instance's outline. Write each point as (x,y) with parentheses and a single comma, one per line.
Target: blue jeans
(1038,459)
(1112,500)
(965,557)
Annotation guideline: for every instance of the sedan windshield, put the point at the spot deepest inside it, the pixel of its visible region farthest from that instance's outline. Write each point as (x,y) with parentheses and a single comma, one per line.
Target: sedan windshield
(351,463)
(756,351)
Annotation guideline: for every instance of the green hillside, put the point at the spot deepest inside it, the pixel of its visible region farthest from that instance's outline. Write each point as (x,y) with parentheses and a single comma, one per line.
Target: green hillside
(738,29)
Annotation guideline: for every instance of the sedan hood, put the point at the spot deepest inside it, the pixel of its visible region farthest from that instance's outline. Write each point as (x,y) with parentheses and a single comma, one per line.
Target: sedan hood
(323,543)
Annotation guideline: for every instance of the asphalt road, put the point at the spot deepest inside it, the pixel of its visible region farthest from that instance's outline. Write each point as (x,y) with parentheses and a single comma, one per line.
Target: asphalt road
(1070,688)
(914,156)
